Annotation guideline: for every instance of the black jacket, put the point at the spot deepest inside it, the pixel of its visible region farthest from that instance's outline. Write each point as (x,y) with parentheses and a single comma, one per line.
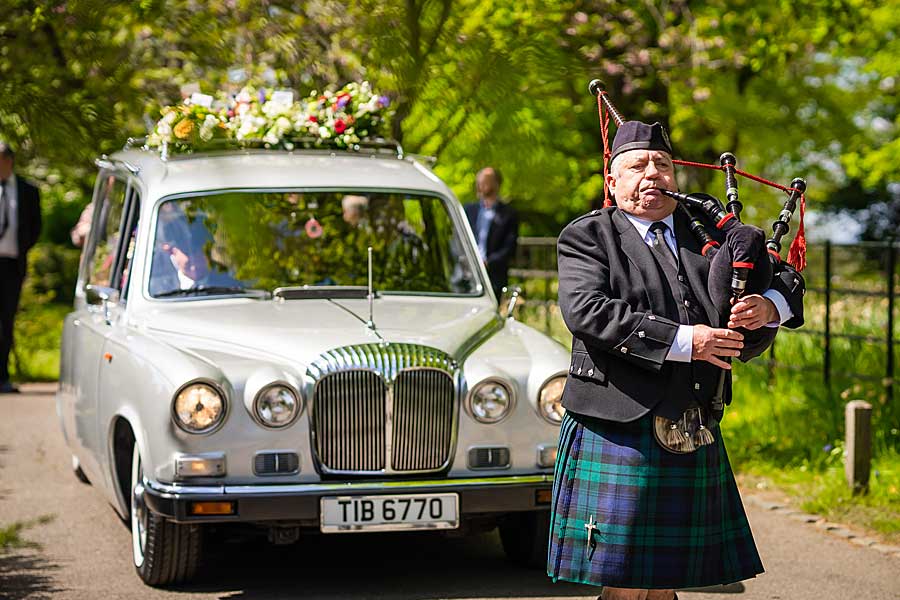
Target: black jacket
(612,298)
(501,242)
(29,218)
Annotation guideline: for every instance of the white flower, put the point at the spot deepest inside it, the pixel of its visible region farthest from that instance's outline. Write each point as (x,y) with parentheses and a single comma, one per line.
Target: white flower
(324,133)
(169,117)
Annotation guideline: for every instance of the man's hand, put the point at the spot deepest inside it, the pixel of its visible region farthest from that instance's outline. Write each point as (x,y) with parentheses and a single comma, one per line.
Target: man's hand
(752,312)
(712,345)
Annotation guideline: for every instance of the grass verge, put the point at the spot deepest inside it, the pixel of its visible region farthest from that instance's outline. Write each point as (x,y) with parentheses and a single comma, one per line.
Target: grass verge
(11,535)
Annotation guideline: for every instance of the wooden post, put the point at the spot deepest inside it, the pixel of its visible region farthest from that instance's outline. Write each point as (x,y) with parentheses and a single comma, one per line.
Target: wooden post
(858,463)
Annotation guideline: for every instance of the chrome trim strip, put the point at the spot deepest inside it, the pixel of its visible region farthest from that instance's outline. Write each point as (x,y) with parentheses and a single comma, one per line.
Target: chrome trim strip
(388,359)
(348,487)
(487,331)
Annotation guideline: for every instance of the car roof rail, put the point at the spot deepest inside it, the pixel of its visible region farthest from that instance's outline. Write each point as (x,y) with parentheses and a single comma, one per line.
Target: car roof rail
(365,146)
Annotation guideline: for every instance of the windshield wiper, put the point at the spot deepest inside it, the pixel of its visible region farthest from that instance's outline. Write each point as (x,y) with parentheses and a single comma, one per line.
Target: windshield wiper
(300,292)
(210,290)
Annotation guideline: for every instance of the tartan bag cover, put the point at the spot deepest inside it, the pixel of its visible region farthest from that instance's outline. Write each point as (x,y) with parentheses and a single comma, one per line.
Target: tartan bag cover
(663,520)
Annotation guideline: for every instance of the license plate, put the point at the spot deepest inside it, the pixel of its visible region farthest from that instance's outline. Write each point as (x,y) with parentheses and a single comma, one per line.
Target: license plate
(347,514)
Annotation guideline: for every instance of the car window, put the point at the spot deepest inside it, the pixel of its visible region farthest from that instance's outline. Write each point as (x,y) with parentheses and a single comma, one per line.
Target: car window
(265,240)
(105,230)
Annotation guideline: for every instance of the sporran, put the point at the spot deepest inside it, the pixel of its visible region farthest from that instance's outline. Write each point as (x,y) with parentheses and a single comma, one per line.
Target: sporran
(685,435)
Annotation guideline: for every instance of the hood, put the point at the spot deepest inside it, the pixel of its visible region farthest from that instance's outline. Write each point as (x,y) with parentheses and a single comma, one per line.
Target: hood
(301,330)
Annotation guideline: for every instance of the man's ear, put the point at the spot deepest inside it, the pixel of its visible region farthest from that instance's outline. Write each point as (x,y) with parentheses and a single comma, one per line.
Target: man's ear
(611,184)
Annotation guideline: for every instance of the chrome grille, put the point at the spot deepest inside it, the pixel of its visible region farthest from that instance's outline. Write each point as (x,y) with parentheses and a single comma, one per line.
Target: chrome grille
(349,421)
(423,420)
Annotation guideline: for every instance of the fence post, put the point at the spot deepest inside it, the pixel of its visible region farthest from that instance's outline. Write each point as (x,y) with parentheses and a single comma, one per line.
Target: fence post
(827,361)
(889,371)
(858,436)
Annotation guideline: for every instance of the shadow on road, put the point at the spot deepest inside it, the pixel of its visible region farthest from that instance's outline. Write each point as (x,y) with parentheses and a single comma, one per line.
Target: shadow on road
(388,566)
(26,574)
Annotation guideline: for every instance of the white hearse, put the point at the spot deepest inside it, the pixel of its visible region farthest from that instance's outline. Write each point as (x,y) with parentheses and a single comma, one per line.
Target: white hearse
(305,341)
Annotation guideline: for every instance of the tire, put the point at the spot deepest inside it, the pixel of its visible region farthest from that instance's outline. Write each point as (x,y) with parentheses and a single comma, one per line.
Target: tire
(525,537)
(164,552)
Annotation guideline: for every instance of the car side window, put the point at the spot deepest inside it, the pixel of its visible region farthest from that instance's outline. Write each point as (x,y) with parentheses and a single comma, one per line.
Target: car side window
(109,203)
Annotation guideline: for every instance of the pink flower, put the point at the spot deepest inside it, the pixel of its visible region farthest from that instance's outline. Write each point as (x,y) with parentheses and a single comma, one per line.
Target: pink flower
(313,119)
(339,126)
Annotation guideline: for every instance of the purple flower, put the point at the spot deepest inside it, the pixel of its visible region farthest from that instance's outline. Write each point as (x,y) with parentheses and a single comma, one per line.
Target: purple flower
(384,101)
(827,448)
(262,96)
(344,101)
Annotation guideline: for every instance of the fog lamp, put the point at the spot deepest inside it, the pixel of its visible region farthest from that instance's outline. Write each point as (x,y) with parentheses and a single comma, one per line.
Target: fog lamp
(550,400)
(490,401)
(276,405)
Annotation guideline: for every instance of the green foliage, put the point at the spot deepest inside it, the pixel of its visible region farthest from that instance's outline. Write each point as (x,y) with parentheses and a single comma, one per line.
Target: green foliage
(52,273)
(35,356)
(11,535)
(792,88)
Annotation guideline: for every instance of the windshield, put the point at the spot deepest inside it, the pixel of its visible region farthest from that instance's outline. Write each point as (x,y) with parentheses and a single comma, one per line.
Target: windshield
(226,243)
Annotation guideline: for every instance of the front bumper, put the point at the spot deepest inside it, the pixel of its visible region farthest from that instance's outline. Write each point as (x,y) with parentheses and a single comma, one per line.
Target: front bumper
(300,502)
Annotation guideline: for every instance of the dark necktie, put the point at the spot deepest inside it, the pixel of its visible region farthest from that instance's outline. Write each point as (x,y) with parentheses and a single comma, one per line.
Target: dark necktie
(4,208)
(661,248)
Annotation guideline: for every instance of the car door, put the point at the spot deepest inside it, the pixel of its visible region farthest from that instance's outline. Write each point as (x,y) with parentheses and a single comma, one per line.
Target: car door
(94,316)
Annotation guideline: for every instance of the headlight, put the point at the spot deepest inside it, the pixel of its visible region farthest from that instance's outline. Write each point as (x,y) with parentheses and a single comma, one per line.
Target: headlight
(490,401)
(276,405)
(198,408)
(549,405)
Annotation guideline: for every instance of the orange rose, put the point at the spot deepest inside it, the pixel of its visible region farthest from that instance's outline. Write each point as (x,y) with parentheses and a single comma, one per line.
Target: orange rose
(184,129)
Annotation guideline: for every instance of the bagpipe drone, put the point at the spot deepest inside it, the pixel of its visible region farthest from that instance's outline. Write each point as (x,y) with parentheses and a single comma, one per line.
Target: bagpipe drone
(742,260)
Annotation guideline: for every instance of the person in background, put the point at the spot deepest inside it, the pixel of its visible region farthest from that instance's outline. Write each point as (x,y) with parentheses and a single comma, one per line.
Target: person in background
(82,228)
(496,227)
(20,226)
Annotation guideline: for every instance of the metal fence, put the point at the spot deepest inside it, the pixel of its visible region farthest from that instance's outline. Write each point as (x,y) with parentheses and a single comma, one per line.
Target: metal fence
(850,311)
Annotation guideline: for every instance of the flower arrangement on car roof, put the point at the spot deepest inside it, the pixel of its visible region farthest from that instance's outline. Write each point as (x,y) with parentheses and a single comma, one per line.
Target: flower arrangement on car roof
(272,119)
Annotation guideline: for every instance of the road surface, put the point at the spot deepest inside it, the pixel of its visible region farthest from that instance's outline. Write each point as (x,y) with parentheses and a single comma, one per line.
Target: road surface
(84,550)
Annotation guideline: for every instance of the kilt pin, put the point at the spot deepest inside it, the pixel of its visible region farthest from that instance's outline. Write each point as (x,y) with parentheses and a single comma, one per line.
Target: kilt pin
(663,520)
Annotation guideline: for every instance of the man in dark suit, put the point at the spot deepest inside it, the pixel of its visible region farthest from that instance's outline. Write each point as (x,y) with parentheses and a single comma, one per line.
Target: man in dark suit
(496,227)
(649,346)
(20,226)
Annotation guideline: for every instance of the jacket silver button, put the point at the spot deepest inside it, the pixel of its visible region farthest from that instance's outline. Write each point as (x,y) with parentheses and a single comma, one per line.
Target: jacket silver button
(640,334)
(681,278)
(687,303)
(624,350)
(651,317)
(579,370)
(696,386)
(590,372)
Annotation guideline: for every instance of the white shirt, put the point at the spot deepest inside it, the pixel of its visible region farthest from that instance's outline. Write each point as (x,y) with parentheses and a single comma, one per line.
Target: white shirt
(9,243)
(682,346)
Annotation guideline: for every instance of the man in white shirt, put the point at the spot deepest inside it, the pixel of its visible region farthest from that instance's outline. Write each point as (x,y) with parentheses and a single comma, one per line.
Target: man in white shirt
(631,513)
(20,227)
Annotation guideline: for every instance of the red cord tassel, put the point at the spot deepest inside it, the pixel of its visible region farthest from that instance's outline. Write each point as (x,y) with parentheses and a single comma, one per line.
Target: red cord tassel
(797,254)
(604,133)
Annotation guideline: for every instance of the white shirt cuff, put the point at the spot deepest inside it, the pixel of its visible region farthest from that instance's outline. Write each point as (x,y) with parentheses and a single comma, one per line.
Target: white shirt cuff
(781,305)
(683,345)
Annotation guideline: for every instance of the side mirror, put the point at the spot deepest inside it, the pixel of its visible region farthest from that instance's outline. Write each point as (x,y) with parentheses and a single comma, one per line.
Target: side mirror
(513,300)
(98,294)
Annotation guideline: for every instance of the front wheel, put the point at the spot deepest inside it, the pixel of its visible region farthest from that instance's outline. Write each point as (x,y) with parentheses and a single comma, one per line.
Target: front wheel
(164,552)
(525,537)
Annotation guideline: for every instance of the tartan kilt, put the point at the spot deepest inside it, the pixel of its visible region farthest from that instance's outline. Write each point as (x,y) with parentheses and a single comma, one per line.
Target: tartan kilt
(663,520)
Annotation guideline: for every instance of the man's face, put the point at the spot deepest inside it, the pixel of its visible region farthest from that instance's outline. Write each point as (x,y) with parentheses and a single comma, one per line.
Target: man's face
(639,176)
(486,184)
(6,166)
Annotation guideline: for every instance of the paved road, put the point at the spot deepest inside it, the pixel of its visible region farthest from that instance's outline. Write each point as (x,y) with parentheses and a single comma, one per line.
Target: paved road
(85,549)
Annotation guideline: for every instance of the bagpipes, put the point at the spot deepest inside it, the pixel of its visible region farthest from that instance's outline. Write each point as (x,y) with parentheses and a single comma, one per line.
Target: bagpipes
(743,263)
